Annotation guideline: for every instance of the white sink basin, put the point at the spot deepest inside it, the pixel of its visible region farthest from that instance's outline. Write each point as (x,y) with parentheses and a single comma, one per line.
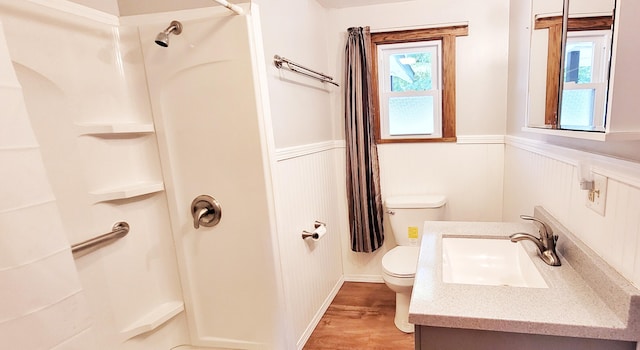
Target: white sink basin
(488,261)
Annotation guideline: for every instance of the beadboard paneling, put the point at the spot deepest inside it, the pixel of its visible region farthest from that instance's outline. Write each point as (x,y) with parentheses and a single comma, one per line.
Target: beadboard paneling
(548,177)
(469,175)
(312,270)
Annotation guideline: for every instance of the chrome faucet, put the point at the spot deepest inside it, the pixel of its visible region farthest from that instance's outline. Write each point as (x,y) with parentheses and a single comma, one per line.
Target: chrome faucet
(546,243)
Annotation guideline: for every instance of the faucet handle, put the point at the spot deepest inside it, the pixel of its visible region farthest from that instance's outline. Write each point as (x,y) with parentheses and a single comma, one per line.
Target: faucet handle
(546,243)
(546,230)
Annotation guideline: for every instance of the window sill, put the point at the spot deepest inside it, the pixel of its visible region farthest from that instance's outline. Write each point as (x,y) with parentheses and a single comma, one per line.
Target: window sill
(441,139)
(586,135)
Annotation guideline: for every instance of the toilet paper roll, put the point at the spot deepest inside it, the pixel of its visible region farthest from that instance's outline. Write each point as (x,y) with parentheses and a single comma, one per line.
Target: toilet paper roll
(319,232)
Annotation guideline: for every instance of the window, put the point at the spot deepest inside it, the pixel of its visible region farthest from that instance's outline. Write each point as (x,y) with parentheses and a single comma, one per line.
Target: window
(585,80)
(580,27)
(414,84)
(409,90)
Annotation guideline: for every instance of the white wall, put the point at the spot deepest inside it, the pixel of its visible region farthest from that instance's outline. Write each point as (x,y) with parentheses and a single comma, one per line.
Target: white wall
(305,179)
(300,106)
(469,173)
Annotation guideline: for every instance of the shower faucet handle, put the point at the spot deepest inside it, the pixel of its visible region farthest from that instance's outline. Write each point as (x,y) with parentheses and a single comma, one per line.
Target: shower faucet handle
(197,217)
(206,211)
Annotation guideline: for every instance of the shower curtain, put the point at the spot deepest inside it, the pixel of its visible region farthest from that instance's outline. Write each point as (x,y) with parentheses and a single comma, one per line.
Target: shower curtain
(363,180)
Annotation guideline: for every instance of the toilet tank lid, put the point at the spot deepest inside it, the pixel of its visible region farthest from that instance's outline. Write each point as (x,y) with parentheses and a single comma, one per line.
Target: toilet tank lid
(416,201)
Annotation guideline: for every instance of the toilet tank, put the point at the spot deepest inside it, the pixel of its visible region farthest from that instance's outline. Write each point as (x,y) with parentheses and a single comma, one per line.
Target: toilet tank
(407,215)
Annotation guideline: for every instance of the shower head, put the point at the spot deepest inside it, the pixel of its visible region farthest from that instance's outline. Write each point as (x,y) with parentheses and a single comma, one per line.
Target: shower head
(162,38)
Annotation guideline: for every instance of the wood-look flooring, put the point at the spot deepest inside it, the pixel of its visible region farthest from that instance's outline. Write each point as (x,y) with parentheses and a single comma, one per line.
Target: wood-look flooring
(360,317)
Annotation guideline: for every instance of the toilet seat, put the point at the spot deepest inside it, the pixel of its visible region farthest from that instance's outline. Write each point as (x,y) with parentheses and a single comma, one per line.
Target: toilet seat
(401,261)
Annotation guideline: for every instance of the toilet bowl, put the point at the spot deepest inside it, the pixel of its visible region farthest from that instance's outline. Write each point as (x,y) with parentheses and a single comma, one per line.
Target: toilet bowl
(407,215)
(398,272)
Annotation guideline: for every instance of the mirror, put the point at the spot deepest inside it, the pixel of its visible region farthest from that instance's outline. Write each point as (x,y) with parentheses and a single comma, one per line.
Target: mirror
(583,62)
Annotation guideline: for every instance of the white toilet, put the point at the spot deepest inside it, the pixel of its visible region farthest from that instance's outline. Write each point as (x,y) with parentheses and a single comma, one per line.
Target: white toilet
(407,215)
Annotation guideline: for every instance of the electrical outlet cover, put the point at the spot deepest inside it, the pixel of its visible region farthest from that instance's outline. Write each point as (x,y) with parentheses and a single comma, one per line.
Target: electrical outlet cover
(600,197)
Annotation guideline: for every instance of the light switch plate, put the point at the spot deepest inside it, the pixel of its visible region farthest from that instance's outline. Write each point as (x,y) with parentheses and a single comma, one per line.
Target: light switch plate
(598,199)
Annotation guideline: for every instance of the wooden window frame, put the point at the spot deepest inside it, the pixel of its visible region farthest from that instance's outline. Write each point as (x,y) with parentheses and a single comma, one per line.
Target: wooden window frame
(448,37)
(554,53)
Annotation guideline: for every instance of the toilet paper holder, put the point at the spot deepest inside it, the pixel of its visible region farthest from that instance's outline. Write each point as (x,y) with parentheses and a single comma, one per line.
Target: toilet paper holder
(315,235)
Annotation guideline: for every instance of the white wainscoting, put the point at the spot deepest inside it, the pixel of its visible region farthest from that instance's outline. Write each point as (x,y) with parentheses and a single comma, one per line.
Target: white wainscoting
(306,183)
(309,188)
(537,173)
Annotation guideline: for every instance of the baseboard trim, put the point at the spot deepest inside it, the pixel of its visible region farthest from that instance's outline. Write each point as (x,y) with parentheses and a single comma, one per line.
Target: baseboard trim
(364,278)
(318,316)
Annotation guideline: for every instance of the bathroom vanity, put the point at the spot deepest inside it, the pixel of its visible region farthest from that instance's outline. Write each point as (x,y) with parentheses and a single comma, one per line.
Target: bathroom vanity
(585,304)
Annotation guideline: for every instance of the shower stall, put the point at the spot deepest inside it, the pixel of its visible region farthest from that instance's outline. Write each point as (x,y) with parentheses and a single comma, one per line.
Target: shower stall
(206,96)
(133,131)
(141,118)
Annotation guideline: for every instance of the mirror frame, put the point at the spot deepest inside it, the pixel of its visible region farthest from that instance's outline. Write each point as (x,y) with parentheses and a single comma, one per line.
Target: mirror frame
(563,53)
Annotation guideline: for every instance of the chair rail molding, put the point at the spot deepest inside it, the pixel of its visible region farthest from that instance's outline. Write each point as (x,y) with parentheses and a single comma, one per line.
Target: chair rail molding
(621,170)
(304,150)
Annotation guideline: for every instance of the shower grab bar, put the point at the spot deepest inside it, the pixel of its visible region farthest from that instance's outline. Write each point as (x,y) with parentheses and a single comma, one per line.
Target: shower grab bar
(279,60)
(119,230)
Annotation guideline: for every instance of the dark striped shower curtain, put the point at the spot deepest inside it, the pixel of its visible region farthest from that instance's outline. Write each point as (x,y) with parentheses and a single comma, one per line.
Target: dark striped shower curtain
(363,180)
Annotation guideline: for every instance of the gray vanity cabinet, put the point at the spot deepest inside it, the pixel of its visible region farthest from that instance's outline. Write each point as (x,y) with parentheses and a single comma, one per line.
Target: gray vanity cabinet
(438,338)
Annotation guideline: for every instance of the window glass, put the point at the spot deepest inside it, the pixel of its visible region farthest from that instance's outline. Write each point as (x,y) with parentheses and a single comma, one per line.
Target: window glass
(411,115)
(578,108)
(410,101)
(411,71)
(585,80)
(579,62)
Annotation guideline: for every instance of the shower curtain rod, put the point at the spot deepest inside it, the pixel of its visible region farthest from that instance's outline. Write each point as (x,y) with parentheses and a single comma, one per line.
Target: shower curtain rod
(235,8)
(279,60)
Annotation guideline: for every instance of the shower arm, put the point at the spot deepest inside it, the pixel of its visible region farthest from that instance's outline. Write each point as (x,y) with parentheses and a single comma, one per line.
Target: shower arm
(174,28)
(235,8)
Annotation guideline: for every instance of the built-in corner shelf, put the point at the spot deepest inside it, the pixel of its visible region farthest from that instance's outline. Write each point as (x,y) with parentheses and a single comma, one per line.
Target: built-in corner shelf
(115,128)
(154,319)
(125,192)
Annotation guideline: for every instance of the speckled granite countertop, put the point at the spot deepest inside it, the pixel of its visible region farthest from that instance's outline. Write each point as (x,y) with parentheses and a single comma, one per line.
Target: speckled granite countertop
(586,297)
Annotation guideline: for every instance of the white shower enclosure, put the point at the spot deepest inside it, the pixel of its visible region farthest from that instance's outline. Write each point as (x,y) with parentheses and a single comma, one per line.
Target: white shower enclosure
(206,94)
(133,131)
